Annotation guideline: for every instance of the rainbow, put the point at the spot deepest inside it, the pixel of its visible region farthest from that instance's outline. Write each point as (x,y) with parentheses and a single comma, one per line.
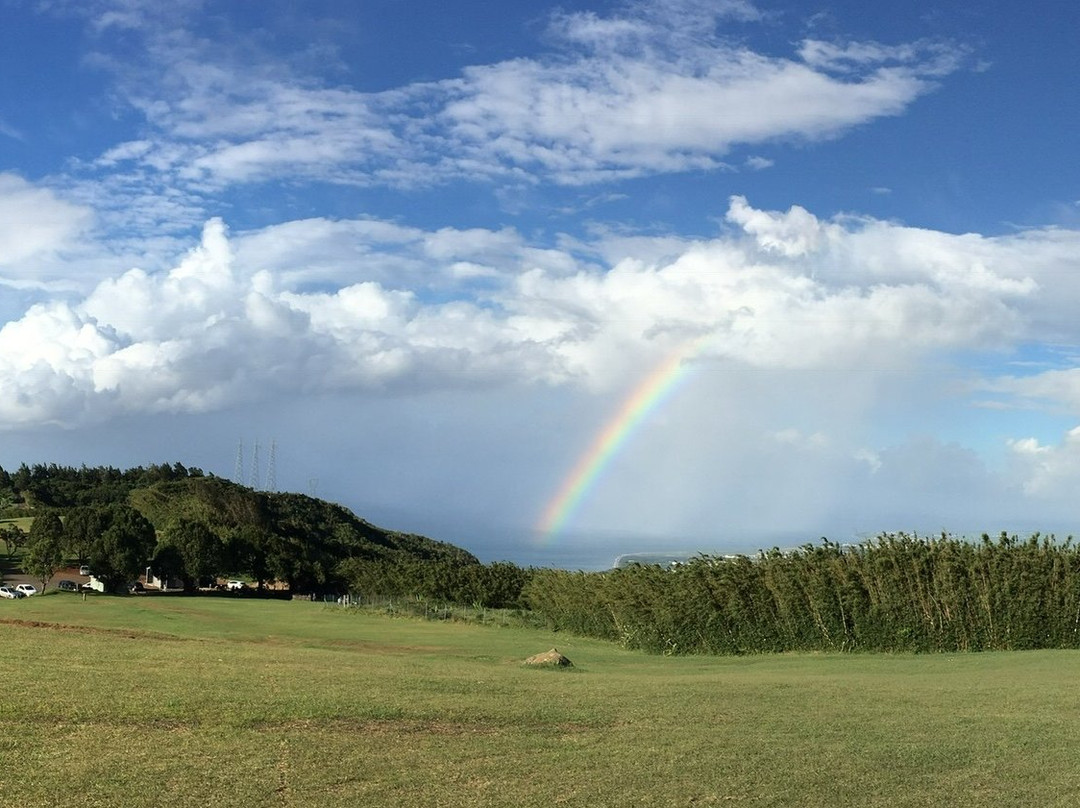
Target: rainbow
(643,400)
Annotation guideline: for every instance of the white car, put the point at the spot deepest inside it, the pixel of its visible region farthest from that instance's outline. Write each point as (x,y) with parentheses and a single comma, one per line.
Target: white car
(26,589)
(235,586)
(9,593)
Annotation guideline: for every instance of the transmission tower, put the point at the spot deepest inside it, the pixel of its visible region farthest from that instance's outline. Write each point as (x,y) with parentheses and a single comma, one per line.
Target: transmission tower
(238,471)
(271,468)
(255,466)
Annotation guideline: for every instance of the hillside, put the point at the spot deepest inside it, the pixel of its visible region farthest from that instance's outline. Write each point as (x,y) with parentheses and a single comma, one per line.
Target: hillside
(197,526)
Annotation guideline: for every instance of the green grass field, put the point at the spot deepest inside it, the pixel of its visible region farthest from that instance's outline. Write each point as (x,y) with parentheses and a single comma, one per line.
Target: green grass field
(177,702)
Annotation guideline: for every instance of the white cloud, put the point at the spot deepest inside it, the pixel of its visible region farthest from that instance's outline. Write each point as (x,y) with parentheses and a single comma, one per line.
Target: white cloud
(129,150)
(1051,388)
(625,115)
(791,234)
(934,58)
(7,130)
(650,89)
(799,440)
(35,223)
(1049,473)
(364,304)
(328,253)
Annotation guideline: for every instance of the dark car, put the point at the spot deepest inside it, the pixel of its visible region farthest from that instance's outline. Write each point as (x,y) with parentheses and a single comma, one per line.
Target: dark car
(67,586)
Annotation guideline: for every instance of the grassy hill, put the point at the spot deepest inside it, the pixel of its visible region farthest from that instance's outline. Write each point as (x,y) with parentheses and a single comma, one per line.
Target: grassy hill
(188,702)
(195,527)
(227,507)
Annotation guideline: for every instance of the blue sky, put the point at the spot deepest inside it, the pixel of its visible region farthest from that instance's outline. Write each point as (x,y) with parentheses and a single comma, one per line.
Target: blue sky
(428,250)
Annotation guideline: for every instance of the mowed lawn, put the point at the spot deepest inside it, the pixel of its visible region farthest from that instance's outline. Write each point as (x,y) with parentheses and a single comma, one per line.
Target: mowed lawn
(173,701)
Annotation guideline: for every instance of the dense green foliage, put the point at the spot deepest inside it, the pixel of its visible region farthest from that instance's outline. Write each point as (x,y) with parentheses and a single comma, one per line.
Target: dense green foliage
(45,547)
(53,486)
(196,528)
(118,553)
(13,537)
(492,586)
(897,593)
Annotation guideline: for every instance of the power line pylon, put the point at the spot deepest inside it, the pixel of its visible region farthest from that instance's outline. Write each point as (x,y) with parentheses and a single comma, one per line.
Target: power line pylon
(255,466)
(238,470)
(271,468)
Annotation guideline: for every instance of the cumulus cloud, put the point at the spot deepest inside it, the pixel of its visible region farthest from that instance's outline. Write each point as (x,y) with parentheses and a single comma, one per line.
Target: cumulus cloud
(1048,472)
(327,253)
(368,305)
(791,234)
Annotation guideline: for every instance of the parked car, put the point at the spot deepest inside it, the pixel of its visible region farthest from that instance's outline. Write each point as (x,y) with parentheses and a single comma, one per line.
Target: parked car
(67,586)
(136,586)
(10,593)
(84,571)
(235,586)
(26,589)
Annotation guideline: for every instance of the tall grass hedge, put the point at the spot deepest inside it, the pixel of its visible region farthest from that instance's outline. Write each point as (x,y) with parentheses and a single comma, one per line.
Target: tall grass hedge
(895,593)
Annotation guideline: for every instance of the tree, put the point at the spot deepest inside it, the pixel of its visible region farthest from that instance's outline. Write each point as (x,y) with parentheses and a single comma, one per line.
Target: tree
(125,545)
(45,547)
(82,526)
(167,563)
(246,552)
(13,537)
(198,549)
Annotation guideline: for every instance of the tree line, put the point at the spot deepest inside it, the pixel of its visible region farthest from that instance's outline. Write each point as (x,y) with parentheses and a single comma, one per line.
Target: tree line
(54,486)
(498,585)
(895,593)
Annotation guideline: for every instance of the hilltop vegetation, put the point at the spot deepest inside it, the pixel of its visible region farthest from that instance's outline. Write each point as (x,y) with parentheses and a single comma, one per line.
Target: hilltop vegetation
(196,527)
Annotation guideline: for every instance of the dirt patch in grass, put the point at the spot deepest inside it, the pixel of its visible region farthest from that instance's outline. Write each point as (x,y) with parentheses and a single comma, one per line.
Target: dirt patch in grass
(368,646)
(415,726)
(125,633)
(379,726)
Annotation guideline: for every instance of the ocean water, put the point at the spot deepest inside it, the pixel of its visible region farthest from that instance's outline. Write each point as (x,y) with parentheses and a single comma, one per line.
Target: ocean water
(595,552)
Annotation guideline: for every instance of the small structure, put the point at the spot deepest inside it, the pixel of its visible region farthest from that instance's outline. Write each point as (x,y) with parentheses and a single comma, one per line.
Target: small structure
(164,583)
(550,658)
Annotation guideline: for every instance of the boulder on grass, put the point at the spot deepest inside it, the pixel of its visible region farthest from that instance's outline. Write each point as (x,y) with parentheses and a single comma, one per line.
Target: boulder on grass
(550,658)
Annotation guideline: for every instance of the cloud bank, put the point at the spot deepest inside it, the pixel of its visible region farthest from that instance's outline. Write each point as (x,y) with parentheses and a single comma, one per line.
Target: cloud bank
(242,316)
